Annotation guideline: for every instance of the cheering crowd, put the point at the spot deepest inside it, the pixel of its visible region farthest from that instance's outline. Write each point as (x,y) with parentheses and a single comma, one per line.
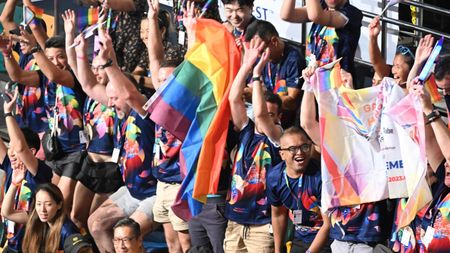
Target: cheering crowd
(87,170)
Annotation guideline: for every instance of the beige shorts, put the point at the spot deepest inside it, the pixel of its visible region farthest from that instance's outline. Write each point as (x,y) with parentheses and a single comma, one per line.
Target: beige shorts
(248,238)
(162,209)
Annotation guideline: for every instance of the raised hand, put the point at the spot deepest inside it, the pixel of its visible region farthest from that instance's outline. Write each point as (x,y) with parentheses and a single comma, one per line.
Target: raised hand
(252,52)
(81,46)
(424,48)
(18,174)
(69,17)
(153,8)
(374,27)
(11,105)
(419,90)
(257,70)
(189,18)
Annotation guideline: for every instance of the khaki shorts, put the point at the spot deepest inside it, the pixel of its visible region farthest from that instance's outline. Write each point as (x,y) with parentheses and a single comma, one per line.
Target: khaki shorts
(248,238)
(162,210)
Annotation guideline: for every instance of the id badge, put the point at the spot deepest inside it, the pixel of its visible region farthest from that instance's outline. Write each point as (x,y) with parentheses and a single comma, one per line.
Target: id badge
(115,155)
(297,217)
(83,138)
(428,236)
(406,237)
(181,38)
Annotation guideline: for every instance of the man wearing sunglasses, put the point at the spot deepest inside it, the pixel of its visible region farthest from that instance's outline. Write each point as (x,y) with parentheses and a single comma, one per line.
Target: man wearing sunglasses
(294,190)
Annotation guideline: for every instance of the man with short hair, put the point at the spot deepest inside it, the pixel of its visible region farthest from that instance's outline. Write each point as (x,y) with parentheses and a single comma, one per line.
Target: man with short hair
(248,210)
(238,14)
(294,189)
(127,236)
(281,74)
(442,74)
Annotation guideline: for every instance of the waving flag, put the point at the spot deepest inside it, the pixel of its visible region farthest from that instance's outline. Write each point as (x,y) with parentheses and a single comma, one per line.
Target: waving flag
(193,106)
(87,17)
(372,146)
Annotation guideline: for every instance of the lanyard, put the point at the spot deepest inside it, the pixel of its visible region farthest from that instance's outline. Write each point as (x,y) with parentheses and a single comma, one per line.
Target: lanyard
(271,78)
(300,185)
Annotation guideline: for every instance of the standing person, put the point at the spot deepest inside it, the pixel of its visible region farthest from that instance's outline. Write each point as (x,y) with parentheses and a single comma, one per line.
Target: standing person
(127,236)
(403,60)
(248,210)
(133,152)
(66,97)
(334,33)
(281,75)
(294,189)
(238,14)
(166,164)
(23,173)
(354,228)
(442,74)
(31,110)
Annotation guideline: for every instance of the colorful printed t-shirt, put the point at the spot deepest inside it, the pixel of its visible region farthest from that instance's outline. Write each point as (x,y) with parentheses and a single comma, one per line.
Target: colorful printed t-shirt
(302,194)
(24,195)
(437,216)
(136,140)
(99,124)
(368,222)
(278,77)
(328,43)
(69,105)
(255,155)
(166,160)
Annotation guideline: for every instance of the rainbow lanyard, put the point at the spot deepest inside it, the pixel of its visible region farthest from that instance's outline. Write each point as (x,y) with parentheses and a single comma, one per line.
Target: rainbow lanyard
(300,185)
(273,80)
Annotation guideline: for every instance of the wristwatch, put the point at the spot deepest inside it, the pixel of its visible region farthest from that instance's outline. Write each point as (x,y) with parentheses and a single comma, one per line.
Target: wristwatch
(8,114)
(256,78)
(109,63)
(434,115)
(35,49)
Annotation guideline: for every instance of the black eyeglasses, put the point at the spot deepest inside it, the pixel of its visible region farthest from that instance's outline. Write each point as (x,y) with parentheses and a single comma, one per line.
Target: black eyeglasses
(405,50)
(294,149)
(125,240)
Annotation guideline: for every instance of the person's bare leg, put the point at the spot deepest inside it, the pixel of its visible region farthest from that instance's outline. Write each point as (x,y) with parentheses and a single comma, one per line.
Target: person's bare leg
(101,222)
(82,200)
(67,187)
(185,240)
(98,200)
(172,238)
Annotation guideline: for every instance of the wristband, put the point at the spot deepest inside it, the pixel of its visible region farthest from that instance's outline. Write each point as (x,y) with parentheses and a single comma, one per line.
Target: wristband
(109,63)
(16,185)
(81,57)
(8,114)
(35,49)
(434,115)
(256,78)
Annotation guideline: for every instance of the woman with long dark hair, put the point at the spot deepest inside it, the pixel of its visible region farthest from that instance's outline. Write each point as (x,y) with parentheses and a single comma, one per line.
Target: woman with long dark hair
(48,226)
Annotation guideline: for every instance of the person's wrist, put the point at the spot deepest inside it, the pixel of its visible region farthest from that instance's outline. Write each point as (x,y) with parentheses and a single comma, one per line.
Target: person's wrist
(16,184)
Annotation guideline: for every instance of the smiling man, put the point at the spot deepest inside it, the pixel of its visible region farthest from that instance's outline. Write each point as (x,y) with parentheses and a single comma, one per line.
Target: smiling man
(294,190)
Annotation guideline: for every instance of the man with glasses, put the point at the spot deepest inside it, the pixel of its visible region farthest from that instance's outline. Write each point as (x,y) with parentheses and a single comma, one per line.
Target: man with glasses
(294,190)
(127,236)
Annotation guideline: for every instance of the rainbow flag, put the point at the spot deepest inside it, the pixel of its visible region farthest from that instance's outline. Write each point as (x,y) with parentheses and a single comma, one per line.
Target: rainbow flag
(431,87)
(193,106)
(38,12)
(87,17)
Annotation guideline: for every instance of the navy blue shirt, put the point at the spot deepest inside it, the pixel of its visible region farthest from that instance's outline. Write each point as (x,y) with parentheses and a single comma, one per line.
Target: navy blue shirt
(136,139)
(279,76)
(255,156)
(24,200)
(166,165)
(67,230)
(302,193)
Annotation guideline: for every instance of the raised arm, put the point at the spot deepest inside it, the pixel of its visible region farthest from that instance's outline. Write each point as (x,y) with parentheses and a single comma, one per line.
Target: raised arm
(279,225)
(7,16)
(308,110)
(125,88)
(440,130)
(17,74)
(9,201)
(289,13)
(69,17)
(376,58)
(423,51)
(324,17)
(23,152)
(86,77)
(48,65)
(263,121)
(237,105)
(154,43)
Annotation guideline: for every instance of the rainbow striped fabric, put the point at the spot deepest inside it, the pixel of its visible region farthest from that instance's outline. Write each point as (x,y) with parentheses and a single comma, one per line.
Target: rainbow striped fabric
(38,12)
(193,106)
(87,17)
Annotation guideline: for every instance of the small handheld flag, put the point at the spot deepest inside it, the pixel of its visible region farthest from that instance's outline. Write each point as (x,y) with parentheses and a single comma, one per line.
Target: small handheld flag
(429,64)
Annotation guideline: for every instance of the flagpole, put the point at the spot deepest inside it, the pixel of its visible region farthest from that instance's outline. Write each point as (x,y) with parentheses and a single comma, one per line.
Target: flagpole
(55,17)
